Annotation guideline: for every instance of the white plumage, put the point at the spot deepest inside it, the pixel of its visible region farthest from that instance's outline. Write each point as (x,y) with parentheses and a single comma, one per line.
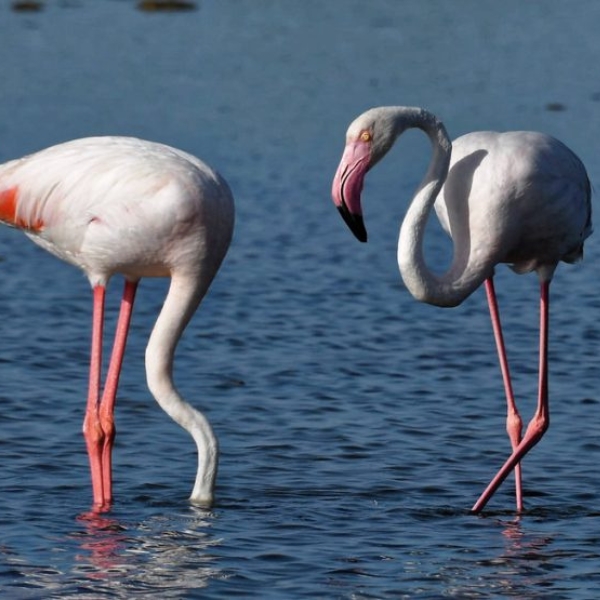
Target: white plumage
(521,198)
(122,205)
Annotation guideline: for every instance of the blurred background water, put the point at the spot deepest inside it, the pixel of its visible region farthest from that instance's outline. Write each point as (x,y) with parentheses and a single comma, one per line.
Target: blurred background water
(357,426)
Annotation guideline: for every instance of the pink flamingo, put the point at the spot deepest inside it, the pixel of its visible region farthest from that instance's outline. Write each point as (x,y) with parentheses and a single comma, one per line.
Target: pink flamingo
(520,197)
(121,205)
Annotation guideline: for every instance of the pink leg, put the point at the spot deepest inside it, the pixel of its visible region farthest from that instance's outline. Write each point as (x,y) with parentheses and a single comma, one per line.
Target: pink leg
(514,423)
(92,430)
(541,419)
(107,404)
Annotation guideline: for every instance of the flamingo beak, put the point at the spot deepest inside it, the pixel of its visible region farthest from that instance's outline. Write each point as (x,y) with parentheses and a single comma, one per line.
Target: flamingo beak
(355,223)
(347,186)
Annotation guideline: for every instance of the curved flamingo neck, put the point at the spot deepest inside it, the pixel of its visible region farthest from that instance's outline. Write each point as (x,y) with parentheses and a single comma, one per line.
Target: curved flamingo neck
(463,276)
(184,296)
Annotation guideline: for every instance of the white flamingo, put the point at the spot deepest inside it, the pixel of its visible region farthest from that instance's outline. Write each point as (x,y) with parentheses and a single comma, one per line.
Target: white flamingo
(520,197)
(121,205)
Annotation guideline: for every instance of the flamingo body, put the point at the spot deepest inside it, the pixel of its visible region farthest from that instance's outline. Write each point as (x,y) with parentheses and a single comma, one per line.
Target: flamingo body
(520,197)
(116,205)
(102,204)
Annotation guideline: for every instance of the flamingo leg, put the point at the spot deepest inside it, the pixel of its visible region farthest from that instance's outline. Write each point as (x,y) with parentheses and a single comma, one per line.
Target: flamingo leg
(541,419)
(514,424)
(92,429)
(107,403)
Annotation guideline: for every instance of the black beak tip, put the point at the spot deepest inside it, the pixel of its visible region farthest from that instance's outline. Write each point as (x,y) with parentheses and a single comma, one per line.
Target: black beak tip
(355,223)
(360,235)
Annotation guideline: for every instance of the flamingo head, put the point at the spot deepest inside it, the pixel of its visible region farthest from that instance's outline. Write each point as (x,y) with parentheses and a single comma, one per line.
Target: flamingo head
(368,139)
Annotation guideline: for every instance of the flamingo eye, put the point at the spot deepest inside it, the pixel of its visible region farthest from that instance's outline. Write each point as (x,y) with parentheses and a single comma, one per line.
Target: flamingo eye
(366,136)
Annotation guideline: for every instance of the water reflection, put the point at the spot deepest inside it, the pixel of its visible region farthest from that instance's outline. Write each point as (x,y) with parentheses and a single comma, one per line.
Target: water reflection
(163,554)
(525,564)
(523,547)
(102,545)
(157,554)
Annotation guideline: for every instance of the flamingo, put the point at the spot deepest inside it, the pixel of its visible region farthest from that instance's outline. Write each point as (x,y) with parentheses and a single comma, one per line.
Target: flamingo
(519,197)
(122,205)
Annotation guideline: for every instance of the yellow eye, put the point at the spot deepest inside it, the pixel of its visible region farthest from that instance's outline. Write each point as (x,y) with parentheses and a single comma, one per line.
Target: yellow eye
(365,136)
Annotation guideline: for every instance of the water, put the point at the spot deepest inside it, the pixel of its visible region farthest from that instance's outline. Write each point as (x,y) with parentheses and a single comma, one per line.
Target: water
(357,426)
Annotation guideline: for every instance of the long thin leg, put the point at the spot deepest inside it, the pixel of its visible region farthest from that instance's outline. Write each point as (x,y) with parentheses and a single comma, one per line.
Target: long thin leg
(92,429)
(514,424)
(541,419)
(107,403)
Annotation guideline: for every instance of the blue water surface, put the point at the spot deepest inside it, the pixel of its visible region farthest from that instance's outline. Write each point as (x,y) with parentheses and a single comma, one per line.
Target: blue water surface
(357,426)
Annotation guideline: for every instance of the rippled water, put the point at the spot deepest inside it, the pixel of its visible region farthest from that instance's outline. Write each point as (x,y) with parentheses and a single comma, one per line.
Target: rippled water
(357,426)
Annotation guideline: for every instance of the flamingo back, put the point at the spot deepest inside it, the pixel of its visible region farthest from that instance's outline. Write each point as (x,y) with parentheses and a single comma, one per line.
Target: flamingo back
(103,203)
(520,197)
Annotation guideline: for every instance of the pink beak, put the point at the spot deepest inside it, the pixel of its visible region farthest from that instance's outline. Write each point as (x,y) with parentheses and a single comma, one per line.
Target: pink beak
(348,184)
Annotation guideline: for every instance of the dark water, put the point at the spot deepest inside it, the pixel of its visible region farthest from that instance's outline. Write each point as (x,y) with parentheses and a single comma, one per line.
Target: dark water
(357,426)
